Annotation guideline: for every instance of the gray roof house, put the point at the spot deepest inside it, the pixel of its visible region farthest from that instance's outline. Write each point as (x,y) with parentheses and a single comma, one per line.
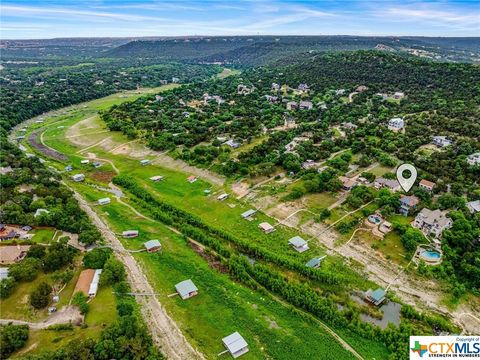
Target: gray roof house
(152,245)
(235,344)
(432,222)
(315,262)
(248,214)
(186,289)
(298,244)
(376,297)
(474,206)
(393,185)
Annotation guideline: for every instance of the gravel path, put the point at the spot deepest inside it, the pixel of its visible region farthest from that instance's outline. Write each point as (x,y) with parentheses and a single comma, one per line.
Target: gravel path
(165,332)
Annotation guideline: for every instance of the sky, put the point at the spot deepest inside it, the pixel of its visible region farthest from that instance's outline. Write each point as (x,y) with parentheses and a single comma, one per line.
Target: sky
(29,19)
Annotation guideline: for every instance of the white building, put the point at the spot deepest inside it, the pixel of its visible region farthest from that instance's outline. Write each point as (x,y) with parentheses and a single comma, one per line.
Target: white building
(94,284)
(441,141)
(432,222)
(104,201)
(78,177)
(235,344)
(222,197)
(396,124)
(298,244)
(474,159)
(474,206)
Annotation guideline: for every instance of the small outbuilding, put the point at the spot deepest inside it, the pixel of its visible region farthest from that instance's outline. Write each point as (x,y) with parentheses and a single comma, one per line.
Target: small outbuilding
(156,178)
(78,177)
(130,233)
(186,289)
(152,245)
(247,215)
(376,297)
(298,244)
(235,344)
(84,161)
(104,201)
(222,197)
(266,227)
(144,162)
(315,262)
(40,212)
(192,179)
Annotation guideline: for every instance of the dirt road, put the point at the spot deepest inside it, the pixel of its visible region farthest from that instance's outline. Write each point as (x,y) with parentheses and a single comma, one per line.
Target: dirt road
(165,332)
(68,314)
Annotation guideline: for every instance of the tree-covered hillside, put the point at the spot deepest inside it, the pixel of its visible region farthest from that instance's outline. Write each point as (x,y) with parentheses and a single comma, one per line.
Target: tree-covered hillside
(30,91)
(260,50)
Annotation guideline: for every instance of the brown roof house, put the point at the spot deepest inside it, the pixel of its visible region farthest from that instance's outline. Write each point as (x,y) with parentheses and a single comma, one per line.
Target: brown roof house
(427,185)
(12,254)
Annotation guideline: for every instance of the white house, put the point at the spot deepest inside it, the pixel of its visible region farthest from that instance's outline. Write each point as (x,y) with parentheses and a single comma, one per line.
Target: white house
(156,178)
(232,143)
(266,227)
(292,105)
(474,206)
(474,159)
(306,105)
(92,291)
(104,201)
(78,177)
(398,95)
(222,197)
(298,244)
(130,233)
(186,289)
(249,214)
(396,124)
(40,212)
(432,222)
(235,344)
(441,141)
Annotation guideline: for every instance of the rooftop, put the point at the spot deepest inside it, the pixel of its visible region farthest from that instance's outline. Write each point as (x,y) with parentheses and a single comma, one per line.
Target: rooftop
(152,244)
(234,342)
(185,287)
(297,241)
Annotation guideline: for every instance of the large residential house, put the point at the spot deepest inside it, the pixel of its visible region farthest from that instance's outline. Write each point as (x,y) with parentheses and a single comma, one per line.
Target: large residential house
(398,95)
(306,105)
(441,141)
(407,204)
(474,206)
(275,87)
(303,87)
(292,105)
(432,222)
(474,159)
(244,90)
(393,185)
(396,124)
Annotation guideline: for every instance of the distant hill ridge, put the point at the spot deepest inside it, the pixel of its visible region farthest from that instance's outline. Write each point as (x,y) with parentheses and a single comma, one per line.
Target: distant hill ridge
(260,50)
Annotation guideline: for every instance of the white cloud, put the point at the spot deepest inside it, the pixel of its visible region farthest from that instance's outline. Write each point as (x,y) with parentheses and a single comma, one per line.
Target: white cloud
(35,11)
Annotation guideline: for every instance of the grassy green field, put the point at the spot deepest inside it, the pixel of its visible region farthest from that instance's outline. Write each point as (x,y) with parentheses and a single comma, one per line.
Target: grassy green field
(222,305)
(102,313)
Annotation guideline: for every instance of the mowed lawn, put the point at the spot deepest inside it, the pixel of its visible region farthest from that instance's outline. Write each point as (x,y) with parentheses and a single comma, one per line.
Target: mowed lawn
(101,314)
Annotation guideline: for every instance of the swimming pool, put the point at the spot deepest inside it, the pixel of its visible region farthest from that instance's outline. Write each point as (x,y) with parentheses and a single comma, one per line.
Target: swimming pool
(430,255)
(374,219)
